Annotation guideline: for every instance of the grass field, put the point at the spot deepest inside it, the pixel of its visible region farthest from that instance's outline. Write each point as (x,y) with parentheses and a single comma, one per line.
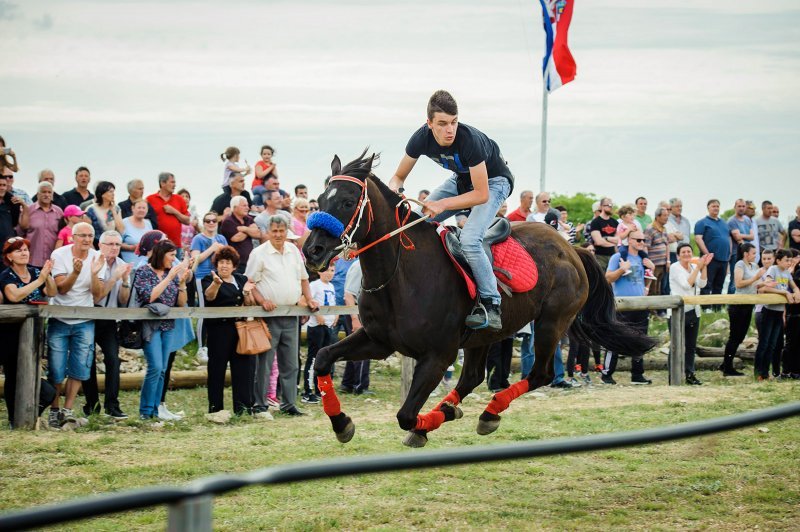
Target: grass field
(741,480)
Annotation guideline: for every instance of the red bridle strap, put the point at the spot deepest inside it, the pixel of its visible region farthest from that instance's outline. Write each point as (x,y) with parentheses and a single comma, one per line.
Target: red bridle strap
(363,185)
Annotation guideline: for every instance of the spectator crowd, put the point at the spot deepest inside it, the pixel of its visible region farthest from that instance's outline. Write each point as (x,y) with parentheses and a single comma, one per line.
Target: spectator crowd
(84,247)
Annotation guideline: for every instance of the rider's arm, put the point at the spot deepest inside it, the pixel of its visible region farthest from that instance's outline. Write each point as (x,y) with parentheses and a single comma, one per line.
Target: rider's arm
(403,169)
(478,196)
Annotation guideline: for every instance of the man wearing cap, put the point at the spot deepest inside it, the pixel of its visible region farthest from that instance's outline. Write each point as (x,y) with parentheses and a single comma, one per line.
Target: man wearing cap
(280,277)
(39,224)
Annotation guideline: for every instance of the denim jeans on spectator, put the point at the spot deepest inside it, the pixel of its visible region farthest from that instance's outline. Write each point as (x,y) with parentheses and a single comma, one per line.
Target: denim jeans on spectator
(527,357)
(258,195)
(70,350)
(472,233)
(156,353)
(691,326)
(769,331)
(717,270)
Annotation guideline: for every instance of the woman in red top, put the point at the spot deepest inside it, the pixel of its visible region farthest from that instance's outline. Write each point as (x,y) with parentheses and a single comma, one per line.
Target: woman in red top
(265,169)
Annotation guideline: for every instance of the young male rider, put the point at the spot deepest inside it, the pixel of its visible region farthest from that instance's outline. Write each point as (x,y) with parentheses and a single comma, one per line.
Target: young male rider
(481,181)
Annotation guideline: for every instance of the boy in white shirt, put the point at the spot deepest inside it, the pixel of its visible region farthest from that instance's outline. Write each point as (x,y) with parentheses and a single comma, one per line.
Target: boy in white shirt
(320,331)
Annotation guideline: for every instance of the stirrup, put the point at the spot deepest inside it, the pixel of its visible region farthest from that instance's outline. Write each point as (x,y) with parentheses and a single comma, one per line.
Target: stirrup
(480,307)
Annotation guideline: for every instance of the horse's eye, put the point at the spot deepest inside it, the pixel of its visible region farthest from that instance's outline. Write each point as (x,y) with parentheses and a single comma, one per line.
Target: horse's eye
(349,204)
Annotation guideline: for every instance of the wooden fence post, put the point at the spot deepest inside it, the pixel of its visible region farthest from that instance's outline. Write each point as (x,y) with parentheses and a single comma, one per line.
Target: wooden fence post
(26,410)
(677,346)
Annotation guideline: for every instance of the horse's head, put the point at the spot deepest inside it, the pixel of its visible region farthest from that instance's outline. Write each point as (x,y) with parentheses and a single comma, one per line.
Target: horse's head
(344,214)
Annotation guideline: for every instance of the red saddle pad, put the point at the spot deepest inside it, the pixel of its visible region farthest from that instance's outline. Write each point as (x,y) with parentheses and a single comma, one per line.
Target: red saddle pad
(510,256)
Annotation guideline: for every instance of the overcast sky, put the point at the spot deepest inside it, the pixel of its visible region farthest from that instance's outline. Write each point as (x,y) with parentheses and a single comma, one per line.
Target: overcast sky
(672,98)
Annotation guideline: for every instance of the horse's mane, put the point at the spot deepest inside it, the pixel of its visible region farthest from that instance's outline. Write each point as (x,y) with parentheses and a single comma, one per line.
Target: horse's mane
(361,168)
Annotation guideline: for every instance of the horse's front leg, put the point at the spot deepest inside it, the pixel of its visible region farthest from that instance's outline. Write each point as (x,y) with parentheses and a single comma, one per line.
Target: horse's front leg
(427,374)
(357,346)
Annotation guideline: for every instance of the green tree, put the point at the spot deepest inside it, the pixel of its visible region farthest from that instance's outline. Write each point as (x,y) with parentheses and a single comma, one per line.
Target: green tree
(578,206)
(727,214)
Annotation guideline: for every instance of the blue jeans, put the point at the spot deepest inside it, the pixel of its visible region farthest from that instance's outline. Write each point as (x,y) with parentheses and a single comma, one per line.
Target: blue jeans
(472,234)
(156,353)
(70,350)
(527,357)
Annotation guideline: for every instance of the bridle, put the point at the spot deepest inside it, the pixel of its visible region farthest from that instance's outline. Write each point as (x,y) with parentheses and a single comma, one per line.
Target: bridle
(358,214)
(348,247)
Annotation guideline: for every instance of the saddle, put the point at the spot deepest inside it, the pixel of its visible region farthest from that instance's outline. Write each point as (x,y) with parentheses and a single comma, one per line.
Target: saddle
(513,266)
(495,233)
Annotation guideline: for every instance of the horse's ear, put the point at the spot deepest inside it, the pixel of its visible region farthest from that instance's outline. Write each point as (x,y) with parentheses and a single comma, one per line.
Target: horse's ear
(336,165)
(369,162)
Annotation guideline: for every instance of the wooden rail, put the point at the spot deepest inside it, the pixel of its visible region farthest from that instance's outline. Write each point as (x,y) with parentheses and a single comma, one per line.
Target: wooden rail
(31,345)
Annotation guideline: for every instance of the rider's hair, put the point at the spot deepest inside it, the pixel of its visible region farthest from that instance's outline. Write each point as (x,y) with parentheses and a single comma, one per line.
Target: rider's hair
(442,102)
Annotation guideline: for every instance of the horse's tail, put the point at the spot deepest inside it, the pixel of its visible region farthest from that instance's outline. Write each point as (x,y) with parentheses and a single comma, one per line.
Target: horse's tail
(597,320)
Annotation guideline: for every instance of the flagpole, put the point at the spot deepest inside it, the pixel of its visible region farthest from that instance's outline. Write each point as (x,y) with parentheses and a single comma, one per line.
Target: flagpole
(544,138)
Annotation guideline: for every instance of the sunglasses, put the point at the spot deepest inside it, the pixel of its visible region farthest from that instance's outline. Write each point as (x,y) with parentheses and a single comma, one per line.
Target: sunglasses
(545,201)
(210,221)
(638,239)
(14,239)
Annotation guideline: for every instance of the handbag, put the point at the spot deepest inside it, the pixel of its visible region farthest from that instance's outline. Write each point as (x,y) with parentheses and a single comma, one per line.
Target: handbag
(254,337)
(129,332)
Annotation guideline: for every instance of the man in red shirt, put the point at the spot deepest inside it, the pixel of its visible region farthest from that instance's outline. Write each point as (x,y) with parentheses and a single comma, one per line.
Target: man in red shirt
(525,202)
(170,208)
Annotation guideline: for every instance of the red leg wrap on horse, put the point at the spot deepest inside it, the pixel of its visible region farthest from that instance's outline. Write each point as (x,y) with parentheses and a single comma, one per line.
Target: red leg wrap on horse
(501,400)
(330,403)
(451,397)
(430,421)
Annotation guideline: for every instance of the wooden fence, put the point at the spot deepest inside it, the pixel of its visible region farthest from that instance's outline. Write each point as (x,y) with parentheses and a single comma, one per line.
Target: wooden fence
(32,331)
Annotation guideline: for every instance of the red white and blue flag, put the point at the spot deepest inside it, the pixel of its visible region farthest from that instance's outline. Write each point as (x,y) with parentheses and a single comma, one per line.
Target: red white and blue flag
(558,66)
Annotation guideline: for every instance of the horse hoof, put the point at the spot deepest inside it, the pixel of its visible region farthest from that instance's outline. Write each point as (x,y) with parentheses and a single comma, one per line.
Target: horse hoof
(457,413)
(347,434)
(488,423)
(415,439)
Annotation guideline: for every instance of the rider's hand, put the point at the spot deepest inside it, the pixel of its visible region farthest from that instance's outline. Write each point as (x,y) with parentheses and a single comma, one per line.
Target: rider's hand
(433,208)
(395,184)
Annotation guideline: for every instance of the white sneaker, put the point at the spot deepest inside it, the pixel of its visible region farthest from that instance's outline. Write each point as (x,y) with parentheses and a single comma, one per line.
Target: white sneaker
(263,415)
(166,415)
(202,355)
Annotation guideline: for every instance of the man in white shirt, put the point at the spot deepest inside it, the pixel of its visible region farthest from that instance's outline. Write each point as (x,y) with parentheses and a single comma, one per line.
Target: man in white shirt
(77,271)
(280,278)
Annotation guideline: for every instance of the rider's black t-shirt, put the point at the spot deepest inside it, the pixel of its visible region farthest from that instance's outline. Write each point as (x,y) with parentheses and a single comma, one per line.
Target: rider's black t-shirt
(606,228)
(470,148)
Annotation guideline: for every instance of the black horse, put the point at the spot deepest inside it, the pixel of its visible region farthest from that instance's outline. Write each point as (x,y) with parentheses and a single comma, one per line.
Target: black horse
(414,302)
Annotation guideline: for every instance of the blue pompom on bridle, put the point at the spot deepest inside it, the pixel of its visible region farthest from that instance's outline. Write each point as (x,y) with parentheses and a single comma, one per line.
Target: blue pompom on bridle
(327,222)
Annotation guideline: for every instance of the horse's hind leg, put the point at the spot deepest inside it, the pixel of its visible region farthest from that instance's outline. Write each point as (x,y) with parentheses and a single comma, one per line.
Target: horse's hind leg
(357,346)
(472,375)
(546,337)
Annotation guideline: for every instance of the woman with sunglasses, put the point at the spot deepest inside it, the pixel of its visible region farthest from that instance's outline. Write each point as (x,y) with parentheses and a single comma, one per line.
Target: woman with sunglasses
(21,283)
(203,248)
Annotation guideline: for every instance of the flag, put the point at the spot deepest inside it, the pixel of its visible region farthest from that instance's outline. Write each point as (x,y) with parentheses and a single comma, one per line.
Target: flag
(558,67)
